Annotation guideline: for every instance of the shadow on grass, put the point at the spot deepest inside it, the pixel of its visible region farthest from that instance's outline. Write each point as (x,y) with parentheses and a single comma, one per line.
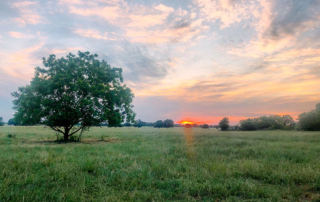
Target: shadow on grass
(23,141)
(83,141)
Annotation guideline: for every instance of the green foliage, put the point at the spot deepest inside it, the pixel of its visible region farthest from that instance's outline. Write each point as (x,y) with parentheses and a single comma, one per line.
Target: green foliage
(127,124)
(139,123)
(224,124)
(11,122)
(168,123)
(268,123)
(310,120)
(158,124)
(1,121)
(205,126)
(11,135)
(148,164)
(74,90)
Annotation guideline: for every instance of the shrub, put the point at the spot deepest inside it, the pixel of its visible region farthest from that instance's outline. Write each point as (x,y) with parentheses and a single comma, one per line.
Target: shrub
(10,135)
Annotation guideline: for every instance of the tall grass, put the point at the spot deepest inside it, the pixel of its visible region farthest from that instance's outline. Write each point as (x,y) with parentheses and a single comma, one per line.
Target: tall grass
(130,164)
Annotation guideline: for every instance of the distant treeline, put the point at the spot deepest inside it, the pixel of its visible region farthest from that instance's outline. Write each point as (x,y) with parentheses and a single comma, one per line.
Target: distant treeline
(308,121)
(268,123)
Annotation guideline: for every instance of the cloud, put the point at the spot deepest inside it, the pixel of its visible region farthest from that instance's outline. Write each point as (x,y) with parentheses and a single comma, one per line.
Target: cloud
(228,12)
(141,24)
(280,25)
(93,34)
(28,13)
(19,35)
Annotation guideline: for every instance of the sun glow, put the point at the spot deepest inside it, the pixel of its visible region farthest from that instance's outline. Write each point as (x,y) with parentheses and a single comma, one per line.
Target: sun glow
(186,122)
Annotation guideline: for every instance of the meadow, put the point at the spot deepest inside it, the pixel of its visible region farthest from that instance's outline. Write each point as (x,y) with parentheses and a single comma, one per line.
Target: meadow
(148,164)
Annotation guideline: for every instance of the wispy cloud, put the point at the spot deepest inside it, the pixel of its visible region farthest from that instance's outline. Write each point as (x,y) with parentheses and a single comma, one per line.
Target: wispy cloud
(93,34)
(19,35)
(28,13)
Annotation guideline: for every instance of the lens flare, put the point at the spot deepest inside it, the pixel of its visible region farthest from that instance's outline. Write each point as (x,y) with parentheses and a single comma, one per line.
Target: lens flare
(188,132)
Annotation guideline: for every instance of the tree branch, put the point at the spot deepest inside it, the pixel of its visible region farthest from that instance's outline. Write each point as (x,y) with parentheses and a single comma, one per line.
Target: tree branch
(76,131)
(56,129)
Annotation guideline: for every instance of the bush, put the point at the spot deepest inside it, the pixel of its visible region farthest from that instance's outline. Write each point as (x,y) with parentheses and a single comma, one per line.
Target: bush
(10,135)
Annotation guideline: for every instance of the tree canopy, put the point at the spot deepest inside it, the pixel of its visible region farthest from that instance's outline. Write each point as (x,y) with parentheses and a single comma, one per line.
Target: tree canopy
(224,124)
(168,123)
(75,90)
(158,124)
(268,122)
(310,120)
(205,126)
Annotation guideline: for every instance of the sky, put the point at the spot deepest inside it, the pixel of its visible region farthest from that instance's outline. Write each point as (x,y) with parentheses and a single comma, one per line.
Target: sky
(196,60)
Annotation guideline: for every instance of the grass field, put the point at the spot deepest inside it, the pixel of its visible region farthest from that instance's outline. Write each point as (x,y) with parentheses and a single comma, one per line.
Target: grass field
(147,164)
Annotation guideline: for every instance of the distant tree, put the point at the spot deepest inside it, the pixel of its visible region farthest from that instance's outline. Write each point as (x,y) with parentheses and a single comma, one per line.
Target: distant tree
(288,121)
(194,125)
(158,124)
(74,90)
(188,125)
(310,121)
(248,125)
(139,123)
(268,122)
(1,121)
(168,123)
(150,124)
(224,124)
(205,126)
(127,124)
(11,122)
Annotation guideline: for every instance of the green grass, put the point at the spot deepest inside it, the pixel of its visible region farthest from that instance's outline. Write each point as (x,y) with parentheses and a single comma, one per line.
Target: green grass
(130,164)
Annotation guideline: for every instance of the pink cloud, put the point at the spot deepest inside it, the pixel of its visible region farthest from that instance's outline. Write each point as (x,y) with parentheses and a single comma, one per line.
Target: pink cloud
(28,15)
(93,34)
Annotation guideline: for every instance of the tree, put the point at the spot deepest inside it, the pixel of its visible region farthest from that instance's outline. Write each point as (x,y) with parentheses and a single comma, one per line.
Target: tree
(74,90)
(205,126)
(168,123)
(139,123)
(1,121)
(248,125)
(158,124)
(268,122)
(310,120)
(11,122)
(188,125)
(127,124)
(224,124)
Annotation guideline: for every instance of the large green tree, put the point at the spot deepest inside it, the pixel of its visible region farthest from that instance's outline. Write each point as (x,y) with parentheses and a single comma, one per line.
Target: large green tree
(74,90)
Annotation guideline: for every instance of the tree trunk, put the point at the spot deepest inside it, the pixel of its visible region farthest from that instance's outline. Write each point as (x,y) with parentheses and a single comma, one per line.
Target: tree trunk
(66,134)
(66,137)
